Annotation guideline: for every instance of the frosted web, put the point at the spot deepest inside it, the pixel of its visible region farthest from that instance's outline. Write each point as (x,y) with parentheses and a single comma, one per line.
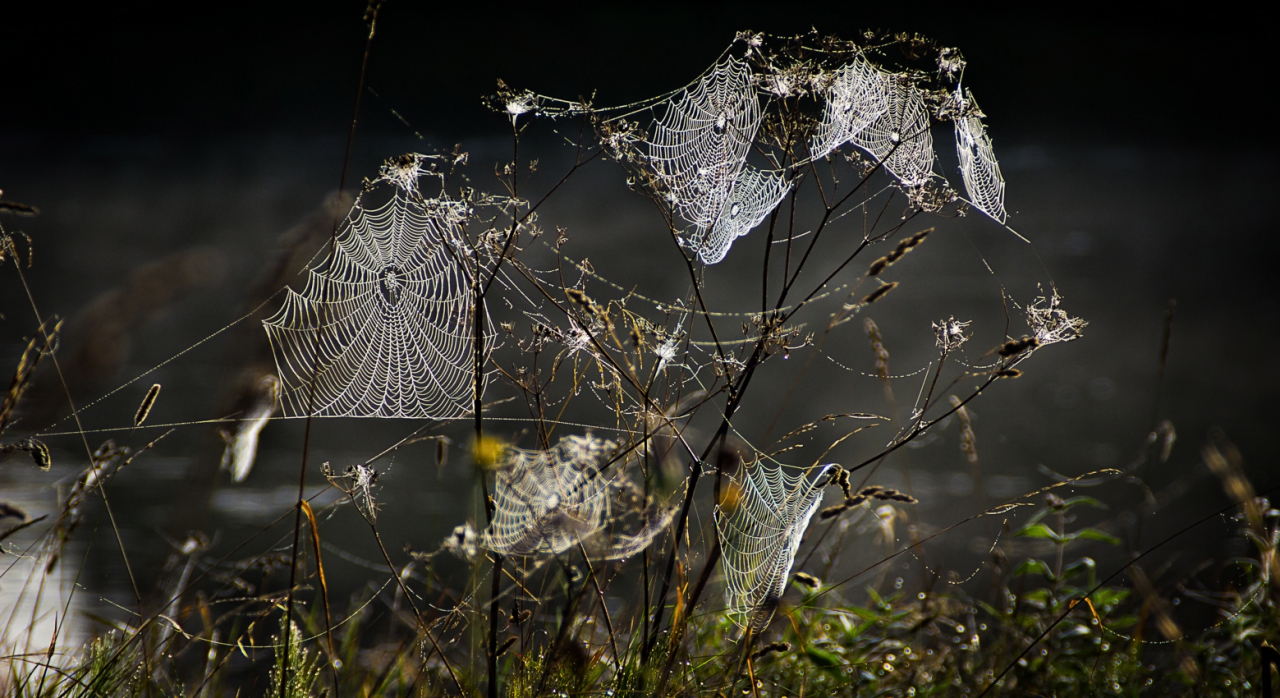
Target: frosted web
(761,533)
(385,324)
(549,501)
(855,98)
(899,137)
(698,153)
(978,166)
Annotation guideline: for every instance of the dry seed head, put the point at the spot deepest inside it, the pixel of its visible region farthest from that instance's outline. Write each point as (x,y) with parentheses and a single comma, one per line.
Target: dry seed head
(887,494)
(879,293)
(1014,347)
(40,454)
(950,333)
(968,441)
(771,648)
(521,615)
(36,448)
(502,649)
(1008,373)
(147,403)
(582,300)
(808,580)
(8,511)
(908,244)
(877,346)
(832,512)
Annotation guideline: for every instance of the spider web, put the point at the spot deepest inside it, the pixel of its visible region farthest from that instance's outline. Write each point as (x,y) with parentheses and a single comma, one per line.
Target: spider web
(699,152)
(548,501)
(855,98)
(754,196)
(978,166)
(899,136)
(761,535)
(385,324)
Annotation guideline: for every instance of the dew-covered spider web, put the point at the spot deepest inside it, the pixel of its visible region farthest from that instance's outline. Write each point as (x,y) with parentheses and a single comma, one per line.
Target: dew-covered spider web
(755,194)
(855,97)
(549,501)
(978,165)
(699,151)
(899,136)
(385,323)
(760,533)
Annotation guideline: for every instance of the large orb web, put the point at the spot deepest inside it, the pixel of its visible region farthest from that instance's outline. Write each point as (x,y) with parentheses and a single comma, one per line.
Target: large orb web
(899,137)
(384,326)
(699,150)
(550,501)
(854,99)
(760,533)
(978,166)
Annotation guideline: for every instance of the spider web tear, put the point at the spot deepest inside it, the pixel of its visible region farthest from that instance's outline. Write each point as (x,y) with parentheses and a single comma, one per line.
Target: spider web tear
(385,323)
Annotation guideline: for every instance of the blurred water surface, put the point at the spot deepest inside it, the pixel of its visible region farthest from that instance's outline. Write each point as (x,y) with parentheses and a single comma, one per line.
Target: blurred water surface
(1118,230)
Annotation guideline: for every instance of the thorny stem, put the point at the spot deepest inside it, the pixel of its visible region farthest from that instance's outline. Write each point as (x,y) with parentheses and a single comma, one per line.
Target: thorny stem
(372,18)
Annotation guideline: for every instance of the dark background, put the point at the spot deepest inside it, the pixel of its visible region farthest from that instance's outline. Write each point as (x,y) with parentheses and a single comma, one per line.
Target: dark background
(1137,151)
(1063,72)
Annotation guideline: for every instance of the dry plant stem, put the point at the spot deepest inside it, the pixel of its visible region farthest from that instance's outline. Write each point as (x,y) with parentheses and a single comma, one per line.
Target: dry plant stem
(1165,338)
(404,589)
(372,18)
(84,439)
(734,400)
(604,608)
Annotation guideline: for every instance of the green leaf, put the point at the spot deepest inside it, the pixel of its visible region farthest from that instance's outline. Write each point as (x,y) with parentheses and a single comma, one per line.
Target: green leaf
(1032,565)
(1084,564)
(823,658)
(1075,631)
(864,613)
(1090,501)
(1038,530)
(1108,597)
(1095,534)
(1037,597)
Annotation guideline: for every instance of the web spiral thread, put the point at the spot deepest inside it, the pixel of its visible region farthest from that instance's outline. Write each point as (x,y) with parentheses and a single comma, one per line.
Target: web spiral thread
(899,136)
(761,533)
(549,501)
(978,166)
(384,326)
(699,152)
(855,98)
